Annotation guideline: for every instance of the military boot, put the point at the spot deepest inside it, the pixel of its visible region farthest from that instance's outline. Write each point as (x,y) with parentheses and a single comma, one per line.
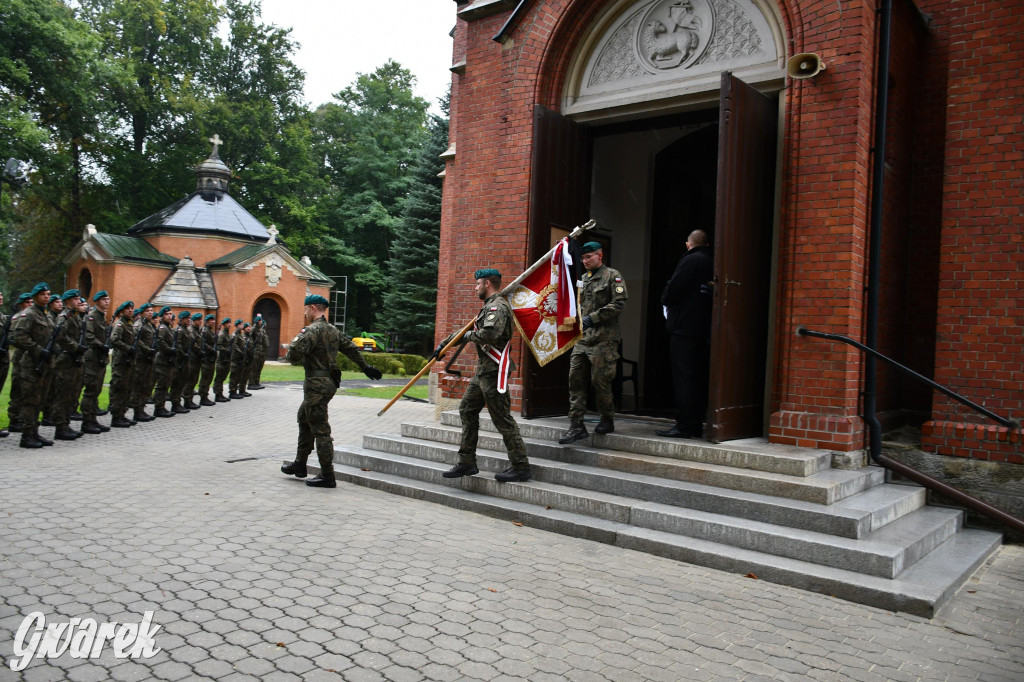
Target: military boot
(91,427)
(512,474)
(178,408)
(296,469)
(205,401)
(460,470)
(4,433)
(65,433)
(221,398)
(577,431)
(325,453)
(29,440)
(15,426)
(120,423)
(192,404)
(162,411)
(44,441)
(607,425)
(142,416)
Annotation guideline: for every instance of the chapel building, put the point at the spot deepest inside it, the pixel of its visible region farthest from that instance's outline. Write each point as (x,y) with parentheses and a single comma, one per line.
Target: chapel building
(204,253)
(657,117)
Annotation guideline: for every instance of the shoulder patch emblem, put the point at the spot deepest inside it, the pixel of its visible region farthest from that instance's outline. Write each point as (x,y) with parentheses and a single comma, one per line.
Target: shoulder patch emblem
(618,290)
(494,308)
(618,279)
(491,316)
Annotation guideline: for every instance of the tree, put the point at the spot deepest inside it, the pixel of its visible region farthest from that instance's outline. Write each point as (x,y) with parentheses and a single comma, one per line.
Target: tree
(367,139)
(410,302)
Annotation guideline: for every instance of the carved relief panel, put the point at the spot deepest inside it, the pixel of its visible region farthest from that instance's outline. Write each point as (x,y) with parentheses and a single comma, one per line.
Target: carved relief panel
(646,49)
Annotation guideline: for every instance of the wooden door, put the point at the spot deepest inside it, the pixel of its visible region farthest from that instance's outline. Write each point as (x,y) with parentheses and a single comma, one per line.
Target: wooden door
(559,200)
(743,246)
(271,312)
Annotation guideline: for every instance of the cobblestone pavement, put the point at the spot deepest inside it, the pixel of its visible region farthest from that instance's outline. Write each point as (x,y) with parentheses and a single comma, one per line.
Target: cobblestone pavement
(253,576)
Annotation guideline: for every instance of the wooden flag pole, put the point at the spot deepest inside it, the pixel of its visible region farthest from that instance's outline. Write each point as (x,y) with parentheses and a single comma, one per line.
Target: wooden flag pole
(589,225)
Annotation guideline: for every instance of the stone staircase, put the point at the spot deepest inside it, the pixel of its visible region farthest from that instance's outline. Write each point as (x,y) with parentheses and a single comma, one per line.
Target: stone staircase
(748,507)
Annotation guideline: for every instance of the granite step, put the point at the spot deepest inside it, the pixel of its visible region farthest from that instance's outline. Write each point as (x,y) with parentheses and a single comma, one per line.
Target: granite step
(885,552)
(637,437)
(920,589)
(825,487)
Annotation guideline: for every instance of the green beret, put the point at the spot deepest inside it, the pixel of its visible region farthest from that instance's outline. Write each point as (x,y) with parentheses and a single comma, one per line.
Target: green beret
(238,322)
(226,320)
(100,294)
(24,297)
(136,312)
(485,273)
(246,325)
(54,297)
(184,315)
(143,307)
(315,299)
(126,304)
(590,247)
(197,316)
(39,288)
(209,316)
(165,309)
(70,293)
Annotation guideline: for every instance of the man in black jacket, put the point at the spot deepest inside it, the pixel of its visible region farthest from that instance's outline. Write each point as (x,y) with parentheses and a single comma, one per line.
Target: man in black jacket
(687,299)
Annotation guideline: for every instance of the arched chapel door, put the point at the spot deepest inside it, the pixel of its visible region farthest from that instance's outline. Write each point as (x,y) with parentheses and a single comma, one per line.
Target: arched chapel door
(271,313)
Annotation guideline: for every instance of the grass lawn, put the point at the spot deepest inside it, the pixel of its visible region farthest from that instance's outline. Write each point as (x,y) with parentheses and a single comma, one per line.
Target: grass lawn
(296,373)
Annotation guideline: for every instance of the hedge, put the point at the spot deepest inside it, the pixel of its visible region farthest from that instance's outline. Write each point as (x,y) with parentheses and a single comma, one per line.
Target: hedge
(388,363)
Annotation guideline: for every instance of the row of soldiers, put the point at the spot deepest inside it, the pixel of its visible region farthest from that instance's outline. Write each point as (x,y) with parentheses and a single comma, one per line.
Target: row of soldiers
(59,349)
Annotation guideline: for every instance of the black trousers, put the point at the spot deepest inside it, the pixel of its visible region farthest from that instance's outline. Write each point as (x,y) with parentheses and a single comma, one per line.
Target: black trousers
(691,357)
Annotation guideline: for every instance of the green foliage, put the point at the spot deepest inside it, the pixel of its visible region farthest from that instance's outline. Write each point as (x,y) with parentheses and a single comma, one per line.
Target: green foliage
(390,363)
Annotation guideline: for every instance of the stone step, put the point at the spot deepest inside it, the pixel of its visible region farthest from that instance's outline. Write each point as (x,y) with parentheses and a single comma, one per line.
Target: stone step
(825,487)
(921,589)
(885,552)
(637,437)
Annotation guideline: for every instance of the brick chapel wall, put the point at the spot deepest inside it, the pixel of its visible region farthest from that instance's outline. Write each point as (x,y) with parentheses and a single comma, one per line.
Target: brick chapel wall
(200,248)
(979,350)
(123,281)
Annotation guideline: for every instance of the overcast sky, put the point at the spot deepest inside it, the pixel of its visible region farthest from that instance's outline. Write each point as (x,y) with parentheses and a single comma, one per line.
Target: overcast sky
(340,38)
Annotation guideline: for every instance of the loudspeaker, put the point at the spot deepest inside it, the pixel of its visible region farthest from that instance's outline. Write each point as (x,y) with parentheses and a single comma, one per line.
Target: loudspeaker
(804,65)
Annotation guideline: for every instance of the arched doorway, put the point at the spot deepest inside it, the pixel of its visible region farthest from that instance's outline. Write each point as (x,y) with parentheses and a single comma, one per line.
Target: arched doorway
(85,284)
(270,311)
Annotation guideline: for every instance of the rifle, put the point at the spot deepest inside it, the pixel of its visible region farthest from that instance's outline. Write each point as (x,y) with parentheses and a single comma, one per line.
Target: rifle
(110,328)
(48,350)
(188,349)
(457,336)
(135,344)
(81,345)
(156,335)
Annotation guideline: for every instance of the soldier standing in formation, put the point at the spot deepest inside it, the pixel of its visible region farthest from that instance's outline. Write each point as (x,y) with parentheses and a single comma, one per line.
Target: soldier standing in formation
(14,403)
(31,332)
(208,360)
(261,346)
(166,352)
(122,340)
(143,376)
(5,359)
(316,348)
(67,374)
(602,296)
(97,344)
(183,350)
(236,382)
(223,346)
(247,360)
(195,362)
(492,334)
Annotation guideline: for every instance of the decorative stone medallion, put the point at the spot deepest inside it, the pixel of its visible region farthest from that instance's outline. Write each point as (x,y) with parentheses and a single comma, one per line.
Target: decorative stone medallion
(674,33)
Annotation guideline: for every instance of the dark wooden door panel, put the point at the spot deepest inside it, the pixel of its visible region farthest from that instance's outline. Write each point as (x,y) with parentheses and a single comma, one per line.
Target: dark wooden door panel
(559,199)
(743,239)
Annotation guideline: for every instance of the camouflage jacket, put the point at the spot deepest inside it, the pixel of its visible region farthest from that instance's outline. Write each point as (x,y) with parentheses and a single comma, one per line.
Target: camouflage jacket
(31,330)
(223,346)
(185,340)
(145,331)
(96,338)
(317,346)
(67,339)
(121,339)
(493,327)
(238,347)
(602,295)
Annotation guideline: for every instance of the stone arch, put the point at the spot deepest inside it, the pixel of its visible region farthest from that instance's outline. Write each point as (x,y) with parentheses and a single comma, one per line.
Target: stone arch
(85,283)
(274,311)
(601,60)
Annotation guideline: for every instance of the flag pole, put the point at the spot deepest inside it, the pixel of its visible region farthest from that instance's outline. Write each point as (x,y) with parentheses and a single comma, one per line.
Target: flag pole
(576,232)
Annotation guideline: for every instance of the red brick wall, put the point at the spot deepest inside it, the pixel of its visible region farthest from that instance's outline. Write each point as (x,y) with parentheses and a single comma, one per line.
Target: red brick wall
(980,326)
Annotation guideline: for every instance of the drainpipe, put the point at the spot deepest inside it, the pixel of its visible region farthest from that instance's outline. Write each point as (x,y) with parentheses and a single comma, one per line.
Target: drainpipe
(875,243)
(499,37)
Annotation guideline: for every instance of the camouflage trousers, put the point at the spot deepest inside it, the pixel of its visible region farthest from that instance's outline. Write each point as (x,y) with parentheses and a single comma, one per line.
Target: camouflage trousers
(257,369)
(195,367)
(181,372)
(314,429)
(206,377)
(219,376)
(5,364)
(592,365)
(34,386)
(14,403)
(164,372)
(483,392)
(120,388)
(68,378)
(93,379)
(236,382)
(143,378)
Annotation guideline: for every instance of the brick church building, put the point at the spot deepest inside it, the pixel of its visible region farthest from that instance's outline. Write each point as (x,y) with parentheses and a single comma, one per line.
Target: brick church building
(656,117)
(204,253)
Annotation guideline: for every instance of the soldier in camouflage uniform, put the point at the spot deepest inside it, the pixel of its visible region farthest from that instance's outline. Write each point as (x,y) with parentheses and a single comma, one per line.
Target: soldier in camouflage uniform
(602,296)
(97,344)
(143,372)
(5,360)
(492,333)
(261,344)
(68,367)
(14,403)
(181,363)
(247,360)
(223,347)
(236,381)
(208,360)
(166,355)
(122,340)
(195,362)
(53,309)
(316,349)
(31,331)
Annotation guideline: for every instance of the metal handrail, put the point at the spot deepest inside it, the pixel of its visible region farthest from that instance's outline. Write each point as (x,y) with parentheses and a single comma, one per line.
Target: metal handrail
(913,474)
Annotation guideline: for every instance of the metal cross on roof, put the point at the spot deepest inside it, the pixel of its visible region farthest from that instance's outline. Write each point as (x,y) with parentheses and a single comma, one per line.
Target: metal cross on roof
(216,142)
